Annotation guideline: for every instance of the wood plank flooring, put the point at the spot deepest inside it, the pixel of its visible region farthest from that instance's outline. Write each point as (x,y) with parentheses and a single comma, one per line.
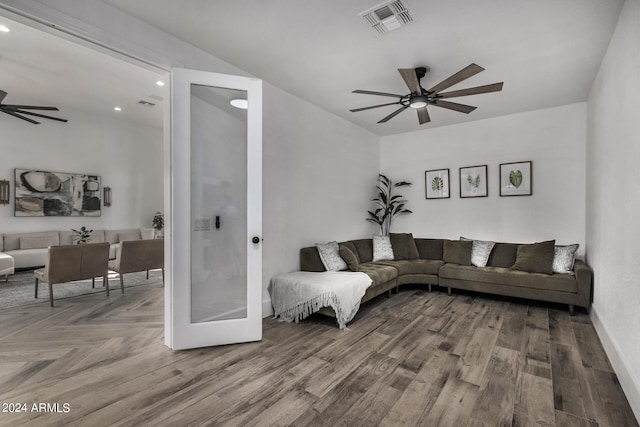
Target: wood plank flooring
(416,359)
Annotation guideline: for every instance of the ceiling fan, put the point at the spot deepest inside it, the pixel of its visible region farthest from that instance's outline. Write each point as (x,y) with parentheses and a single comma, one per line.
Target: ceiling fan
(419,98)
(19,110)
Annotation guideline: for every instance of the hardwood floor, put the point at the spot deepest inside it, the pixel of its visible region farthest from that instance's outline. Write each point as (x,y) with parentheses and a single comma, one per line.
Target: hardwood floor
(416,359)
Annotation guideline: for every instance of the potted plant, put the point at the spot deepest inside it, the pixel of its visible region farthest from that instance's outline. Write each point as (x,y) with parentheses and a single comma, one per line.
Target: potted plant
(388,205)
(82,235)
(158,223)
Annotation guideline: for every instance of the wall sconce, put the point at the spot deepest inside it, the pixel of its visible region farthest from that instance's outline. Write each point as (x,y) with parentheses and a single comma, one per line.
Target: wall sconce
(4,192)
(107,196)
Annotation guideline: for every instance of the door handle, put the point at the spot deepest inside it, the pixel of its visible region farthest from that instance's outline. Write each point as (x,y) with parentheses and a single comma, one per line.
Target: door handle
(255,240)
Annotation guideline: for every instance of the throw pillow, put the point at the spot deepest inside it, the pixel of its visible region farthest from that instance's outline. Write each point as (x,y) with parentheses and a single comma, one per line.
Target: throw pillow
(563,258)
(35,242)
(382,249)
(457,252)
(403,245)
(535,258)
(480,251)
(349,257)
(330,256)
(129,235)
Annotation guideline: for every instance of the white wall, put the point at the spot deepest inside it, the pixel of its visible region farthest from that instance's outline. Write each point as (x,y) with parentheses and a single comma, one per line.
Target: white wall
(318,169)
(127,156)
(613,201)
(553,139)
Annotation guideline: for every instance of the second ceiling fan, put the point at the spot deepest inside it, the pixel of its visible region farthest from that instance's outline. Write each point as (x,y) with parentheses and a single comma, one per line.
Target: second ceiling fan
(419,97)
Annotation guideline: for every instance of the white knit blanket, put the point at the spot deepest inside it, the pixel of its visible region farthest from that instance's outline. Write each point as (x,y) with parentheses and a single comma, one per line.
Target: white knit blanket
(297,295)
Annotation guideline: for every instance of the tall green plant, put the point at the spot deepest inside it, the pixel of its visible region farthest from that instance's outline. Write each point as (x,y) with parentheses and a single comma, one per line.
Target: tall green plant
(388,205)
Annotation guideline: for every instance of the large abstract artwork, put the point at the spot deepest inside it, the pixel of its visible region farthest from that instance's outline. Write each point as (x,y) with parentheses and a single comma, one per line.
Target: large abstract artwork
(43,193)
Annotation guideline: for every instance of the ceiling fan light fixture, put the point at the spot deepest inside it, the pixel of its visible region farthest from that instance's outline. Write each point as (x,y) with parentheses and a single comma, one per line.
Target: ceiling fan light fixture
(240,103)
(418,102)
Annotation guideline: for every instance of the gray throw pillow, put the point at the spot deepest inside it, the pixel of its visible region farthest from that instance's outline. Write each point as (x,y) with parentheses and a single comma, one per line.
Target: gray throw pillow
(563,258)
(457,252)
(535,258)
(404,247)
(382,249)
(350,258)
(480,251)
(330,256)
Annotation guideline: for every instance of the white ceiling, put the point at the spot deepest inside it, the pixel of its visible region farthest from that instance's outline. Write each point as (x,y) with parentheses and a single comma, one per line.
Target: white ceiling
(547,52)
(38,68)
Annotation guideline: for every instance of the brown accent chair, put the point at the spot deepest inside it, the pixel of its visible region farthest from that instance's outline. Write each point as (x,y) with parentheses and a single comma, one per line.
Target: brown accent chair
(138,255)
(69,263)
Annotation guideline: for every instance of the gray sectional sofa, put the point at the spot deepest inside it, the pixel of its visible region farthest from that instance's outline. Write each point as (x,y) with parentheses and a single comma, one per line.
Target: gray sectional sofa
(448,263)
(29,249)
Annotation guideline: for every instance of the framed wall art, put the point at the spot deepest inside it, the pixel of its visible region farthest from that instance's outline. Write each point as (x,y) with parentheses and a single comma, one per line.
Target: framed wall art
(473,181)
(516,179)
(437,184)
(44,193)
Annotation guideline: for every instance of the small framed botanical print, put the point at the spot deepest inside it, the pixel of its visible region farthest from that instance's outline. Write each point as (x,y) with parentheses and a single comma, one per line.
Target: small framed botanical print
(516,179)
(437,184)
(473,181)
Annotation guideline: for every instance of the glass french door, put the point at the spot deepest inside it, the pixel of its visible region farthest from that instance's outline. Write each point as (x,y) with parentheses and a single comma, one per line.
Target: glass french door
(215,286)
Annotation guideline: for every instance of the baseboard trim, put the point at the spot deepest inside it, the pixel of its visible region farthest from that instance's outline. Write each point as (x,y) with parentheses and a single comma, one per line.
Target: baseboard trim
(630,384)
(267,308)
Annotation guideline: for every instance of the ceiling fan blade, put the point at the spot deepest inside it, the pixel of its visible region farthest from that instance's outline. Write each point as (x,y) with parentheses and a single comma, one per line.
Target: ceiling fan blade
(41,115)
(373,106)
(411,79)
(465,73)
(2,95)
(20,117)
(395,113)
(13,107)
(454,106)
(423,115)
(495,87)
(368,92)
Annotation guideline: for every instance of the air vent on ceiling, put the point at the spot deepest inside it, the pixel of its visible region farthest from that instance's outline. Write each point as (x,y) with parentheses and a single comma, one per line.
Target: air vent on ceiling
(146,103)
(388,16)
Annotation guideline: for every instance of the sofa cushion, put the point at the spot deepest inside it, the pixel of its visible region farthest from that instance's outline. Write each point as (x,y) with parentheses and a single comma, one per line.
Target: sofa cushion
(457,251)
(330,256)
(508,277)
(404,246)
(364,249)
(563,258)
(12,240)
(29,258)
(429,248)
(129,235)
(503,255)
(35,242)
(349,256)
(310,259)
(415,266)
(535,258)
(382,249)
(147,233)
(379,273)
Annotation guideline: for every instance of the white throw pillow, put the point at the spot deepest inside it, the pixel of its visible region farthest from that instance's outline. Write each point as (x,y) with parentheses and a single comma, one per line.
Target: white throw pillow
(563,258)
(480,251)
(330,256)
(382,249)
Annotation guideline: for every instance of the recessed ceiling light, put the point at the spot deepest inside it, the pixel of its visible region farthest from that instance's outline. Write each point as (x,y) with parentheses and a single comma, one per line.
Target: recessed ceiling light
(160,83)
(117,108)
(240,103)
(4,28)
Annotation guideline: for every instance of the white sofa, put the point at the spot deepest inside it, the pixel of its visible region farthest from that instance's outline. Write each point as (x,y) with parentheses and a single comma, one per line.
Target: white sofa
(29,250)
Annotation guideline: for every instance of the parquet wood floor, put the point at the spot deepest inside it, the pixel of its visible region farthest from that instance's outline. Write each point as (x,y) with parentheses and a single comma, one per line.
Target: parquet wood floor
(416,359)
